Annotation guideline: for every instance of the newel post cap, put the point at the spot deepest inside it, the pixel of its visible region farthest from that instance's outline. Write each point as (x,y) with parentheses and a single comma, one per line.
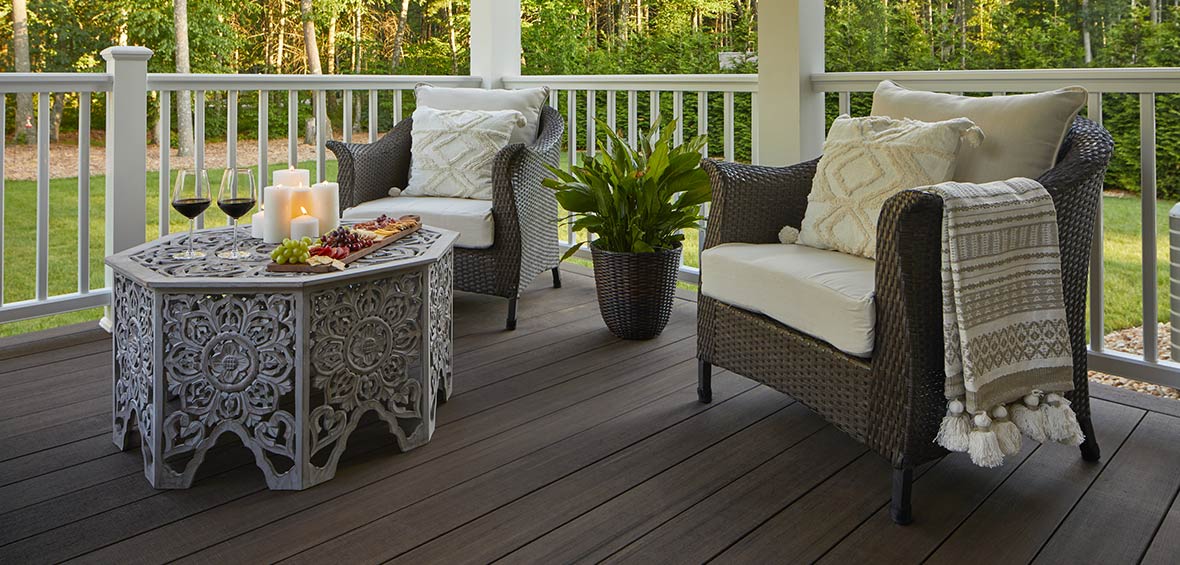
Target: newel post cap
(126,53)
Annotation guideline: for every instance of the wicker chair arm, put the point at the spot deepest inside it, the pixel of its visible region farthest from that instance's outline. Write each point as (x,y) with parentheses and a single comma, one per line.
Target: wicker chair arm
(752,203)
(366,171)
(524,211)
(908,379)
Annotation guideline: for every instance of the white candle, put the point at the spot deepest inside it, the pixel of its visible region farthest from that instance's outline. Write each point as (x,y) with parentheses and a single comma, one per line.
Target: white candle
(325,204)
(277,221)
(292,177)
(257,222)
(305,226)
(301,198)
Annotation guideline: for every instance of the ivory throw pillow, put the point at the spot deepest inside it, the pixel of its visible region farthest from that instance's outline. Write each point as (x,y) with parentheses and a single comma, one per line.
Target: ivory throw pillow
(527,101)
(1024,131)
(867,160)
(453,151)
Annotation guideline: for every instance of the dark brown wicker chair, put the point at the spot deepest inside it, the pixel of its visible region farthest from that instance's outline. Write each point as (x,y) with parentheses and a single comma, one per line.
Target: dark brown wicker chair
(524,213)
(893,402)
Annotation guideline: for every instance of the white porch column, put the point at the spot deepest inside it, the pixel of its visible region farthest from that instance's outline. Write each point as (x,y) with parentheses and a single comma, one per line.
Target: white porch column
(495,40)
(126,151)
(790,49)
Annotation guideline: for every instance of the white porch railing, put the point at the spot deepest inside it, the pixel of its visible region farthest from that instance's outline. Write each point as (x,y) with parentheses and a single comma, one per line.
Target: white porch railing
(618,100)
(1146,83)
(40,85)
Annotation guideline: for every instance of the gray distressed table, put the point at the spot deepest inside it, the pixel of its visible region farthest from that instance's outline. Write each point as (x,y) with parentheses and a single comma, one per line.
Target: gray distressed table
(288,362)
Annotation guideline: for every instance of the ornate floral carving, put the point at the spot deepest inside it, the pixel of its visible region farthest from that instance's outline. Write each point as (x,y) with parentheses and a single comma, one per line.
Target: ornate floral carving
(133,362)
(441,274)
(229,358)
(364,336)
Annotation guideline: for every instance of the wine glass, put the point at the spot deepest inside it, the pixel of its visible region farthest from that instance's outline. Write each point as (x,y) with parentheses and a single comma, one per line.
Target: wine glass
(190,197)
(236,198)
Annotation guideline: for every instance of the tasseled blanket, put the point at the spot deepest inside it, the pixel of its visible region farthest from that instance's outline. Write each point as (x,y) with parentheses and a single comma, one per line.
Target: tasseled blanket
(1008,355)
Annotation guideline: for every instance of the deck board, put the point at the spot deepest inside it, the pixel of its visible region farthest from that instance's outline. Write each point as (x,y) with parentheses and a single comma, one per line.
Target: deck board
(563,443)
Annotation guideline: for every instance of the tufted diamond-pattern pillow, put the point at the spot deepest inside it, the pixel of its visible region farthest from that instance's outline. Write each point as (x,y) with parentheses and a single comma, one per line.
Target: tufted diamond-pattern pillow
(453,151)
(866,161)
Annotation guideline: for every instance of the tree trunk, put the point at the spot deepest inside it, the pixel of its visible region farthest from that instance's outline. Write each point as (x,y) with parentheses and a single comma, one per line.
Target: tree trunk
(332,45)
(310,47)
(356,41)
(282,48)
(58,104)
(184,109)
(25,130)
(624,25)
(400,35)
(312,50)
(1086,47)
(451,34)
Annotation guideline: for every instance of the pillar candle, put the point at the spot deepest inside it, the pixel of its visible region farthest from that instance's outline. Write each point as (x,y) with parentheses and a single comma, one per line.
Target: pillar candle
(301,200)
(257,223)
(305,226)
(292,177)
(325,204)
(277,220)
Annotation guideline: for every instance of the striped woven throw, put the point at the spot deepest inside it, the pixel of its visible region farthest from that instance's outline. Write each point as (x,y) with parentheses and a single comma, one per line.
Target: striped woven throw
(1008,355)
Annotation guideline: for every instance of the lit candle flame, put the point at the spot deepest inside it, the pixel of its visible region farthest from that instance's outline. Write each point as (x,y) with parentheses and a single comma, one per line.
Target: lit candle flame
(303,210)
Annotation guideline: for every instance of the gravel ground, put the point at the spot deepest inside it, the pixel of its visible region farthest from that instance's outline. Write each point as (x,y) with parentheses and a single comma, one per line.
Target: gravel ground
(1131,341)
(20,161)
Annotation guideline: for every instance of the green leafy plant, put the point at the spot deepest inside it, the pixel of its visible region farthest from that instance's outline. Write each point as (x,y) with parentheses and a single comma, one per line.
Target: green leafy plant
(635,200)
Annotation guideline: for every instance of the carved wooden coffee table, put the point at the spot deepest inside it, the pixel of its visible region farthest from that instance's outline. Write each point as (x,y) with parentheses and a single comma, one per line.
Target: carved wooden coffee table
(288,362)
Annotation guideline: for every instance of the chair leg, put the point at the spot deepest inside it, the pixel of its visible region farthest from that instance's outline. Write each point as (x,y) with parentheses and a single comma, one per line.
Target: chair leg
(899,507)
(1090,451)
(704,381)
(556,277)
(511,325)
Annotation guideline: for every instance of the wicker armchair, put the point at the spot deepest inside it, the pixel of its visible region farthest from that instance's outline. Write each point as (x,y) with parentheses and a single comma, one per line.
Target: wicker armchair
(893,402)
(524,213)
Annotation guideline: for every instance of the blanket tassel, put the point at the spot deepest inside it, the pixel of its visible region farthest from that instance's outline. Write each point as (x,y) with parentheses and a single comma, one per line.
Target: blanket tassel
(1028,416)
(1061,424)
(1007,434)
(983,445)
(955,427)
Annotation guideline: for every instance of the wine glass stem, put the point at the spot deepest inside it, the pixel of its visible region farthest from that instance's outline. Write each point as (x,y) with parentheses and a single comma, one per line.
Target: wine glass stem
(191,226)
(235,239)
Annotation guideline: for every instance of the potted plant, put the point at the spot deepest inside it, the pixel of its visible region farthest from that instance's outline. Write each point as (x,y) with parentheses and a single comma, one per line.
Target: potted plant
(635,202)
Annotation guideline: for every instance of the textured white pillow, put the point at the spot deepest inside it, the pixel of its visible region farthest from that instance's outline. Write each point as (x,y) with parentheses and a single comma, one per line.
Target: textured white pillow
(527,101)
(867,160)
(1024,131)
(453,151)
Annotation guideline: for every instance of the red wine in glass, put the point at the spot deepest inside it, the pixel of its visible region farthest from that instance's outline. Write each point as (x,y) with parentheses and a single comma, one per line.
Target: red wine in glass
(236,198)
(190,197)
(236,207)
(191,207)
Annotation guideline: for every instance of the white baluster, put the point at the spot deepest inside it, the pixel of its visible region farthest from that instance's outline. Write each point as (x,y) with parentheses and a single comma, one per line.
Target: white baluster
(84,191)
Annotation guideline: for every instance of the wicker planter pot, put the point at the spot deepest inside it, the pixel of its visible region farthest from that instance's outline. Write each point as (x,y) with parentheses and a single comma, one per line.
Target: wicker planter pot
(635,290)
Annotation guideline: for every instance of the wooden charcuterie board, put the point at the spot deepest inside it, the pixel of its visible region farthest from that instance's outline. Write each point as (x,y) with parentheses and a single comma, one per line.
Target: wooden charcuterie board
(348,259)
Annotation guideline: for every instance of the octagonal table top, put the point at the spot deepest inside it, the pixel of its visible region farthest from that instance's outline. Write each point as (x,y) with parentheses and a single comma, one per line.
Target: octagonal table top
(153,265)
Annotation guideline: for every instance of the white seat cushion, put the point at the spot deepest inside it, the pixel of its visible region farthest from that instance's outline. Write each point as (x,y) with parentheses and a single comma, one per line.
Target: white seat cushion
(825,294)
(471,218)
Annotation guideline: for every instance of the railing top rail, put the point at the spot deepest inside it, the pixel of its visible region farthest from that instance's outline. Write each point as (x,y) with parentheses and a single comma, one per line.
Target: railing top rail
(685,83)
(55,82)
(174,81)
(1155,79)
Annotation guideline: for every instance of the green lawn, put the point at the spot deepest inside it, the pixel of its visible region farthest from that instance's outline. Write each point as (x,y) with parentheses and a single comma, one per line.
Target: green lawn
(20,218)
(1123,295)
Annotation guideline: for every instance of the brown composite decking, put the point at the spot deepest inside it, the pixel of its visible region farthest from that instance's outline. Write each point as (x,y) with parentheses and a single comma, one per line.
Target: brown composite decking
(565,444)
